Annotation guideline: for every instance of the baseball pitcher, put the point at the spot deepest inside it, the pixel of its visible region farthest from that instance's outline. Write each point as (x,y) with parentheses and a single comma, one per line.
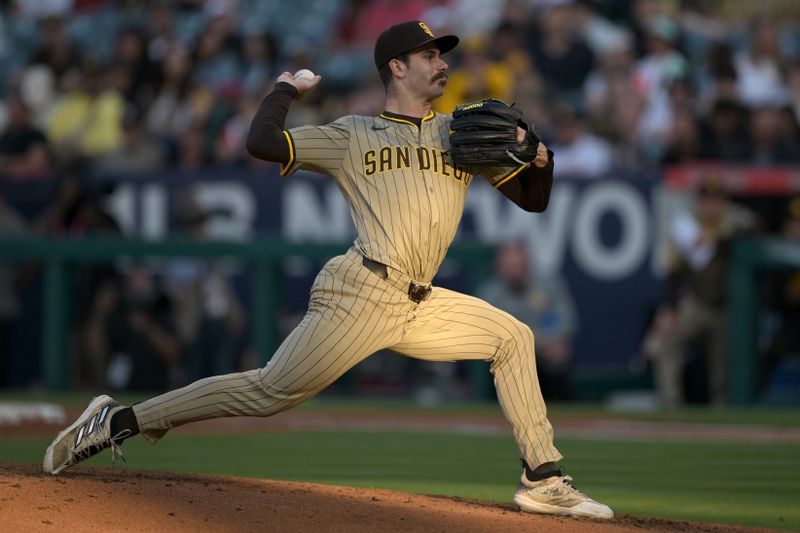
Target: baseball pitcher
(405,175)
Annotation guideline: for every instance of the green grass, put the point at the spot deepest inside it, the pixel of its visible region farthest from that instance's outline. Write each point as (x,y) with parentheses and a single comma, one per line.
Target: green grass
(748,484)
(782,417)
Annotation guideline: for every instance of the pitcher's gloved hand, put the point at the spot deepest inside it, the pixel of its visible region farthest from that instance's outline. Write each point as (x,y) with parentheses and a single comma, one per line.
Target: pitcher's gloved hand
(485,133)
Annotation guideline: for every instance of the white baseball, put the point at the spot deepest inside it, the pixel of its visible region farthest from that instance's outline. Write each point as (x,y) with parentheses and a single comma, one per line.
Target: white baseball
(303,73)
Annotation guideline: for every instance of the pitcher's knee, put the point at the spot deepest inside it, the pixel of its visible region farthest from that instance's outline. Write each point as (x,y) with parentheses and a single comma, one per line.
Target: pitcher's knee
(521,339)
(526,335)
(295,392)
(515,342)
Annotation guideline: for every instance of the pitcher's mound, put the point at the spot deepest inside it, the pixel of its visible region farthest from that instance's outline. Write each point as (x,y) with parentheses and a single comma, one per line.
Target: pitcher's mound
(89,499)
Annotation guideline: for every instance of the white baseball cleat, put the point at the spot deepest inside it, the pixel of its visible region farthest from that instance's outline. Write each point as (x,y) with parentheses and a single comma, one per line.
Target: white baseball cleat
(556,495)
(87,436)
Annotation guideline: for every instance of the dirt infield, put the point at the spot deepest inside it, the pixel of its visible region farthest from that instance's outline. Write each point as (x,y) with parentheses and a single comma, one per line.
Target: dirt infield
(91,499)
(88,499)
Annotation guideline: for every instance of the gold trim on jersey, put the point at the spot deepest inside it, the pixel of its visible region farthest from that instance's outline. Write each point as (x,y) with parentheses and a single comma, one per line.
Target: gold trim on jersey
(404,121)
(514,173)
(285,168)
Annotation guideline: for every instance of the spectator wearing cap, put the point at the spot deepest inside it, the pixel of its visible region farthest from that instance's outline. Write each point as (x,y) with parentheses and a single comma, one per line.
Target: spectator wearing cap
(696,306)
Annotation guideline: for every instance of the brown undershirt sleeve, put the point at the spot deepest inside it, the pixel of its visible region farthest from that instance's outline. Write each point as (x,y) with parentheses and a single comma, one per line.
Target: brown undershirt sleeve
(530,189)
(266,139)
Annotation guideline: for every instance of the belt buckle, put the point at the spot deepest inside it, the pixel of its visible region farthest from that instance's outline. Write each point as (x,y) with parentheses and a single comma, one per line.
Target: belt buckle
(418,293)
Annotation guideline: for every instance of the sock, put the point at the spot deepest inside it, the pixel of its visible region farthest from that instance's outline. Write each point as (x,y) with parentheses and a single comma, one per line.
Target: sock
(122,420)
(543,471)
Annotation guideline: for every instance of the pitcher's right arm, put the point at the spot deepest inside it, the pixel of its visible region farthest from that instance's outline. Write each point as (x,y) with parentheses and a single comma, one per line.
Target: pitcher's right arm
(266,139)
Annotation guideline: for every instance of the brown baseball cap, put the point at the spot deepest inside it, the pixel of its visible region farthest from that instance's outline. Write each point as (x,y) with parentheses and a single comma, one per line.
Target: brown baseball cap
(407,36)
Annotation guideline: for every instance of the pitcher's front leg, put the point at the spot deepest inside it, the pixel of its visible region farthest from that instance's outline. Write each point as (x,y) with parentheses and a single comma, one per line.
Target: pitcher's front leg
(453,326)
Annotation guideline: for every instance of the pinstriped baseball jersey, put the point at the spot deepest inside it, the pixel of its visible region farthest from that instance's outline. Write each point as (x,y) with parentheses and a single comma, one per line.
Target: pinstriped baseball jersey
(405,196)
(406,200)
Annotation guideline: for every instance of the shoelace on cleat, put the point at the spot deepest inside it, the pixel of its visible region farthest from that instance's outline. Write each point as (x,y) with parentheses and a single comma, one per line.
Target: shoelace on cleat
(94,449)
(567,481)
(116,450)
(116,454)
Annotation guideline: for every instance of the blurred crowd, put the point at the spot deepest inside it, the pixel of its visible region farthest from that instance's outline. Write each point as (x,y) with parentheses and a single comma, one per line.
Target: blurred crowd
(89,87)
(139,85)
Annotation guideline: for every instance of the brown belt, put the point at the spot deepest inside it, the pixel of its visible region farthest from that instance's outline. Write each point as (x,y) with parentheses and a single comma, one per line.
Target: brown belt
(416,293)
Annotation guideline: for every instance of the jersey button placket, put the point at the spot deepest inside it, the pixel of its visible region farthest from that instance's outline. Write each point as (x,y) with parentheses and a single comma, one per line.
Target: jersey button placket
(430,177)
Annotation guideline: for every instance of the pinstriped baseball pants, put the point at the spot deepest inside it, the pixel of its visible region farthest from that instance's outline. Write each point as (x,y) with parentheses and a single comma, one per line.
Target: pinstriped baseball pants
(352,314)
